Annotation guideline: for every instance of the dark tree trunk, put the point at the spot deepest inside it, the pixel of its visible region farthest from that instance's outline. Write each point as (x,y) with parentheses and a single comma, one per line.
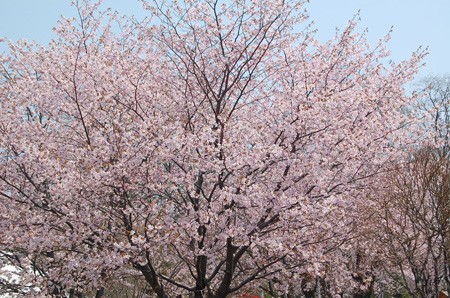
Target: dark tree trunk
(152,279)
(100,293)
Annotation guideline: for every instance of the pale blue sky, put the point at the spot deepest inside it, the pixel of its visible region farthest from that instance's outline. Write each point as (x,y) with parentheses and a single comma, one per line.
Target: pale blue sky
(416,22)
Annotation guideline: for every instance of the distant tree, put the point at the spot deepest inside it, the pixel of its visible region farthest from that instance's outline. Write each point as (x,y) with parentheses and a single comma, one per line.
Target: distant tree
(434,105)
(412,211)
(209,149)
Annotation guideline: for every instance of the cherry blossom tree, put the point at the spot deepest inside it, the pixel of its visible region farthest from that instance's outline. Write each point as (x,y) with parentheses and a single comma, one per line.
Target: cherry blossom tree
(211,148)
